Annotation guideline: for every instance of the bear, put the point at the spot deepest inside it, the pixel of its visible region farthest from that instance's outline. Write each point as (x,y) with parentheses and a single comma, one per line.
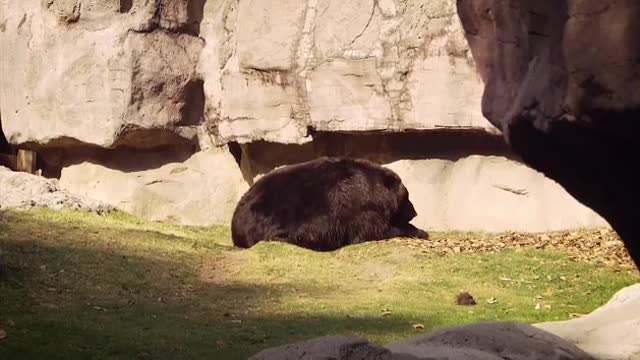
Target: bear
(325,204)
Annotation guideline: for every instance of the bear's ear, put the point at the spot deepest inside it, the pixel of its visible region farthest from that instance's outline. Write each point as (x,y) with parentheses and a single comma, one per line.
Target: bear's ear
(390,181)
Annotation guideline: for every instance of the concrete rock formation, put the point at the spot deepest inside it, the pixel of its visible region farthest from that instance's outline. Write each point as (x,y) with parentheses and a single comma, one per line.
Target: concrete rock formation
(285,67)
(114,94)
(23,191)
(329,347)
(489,341)
(102,73)
(199,190)
(482,341)
(139,73)
(561,82)
(611,332)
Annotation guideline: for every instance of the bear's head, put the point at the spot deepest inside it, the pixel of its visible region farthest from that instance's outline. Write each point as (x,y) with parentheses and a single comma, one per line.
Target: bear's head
(405,212)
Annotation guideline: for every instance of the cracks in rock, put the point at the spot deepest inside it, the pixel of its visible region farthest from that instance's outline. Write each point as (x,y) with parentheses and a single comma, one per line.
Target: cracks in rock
(165,89)
(226,51)
(268,77)
(125,6)
(180,17)
(229,19)
(593,88)
(192,111)
(303,54)
(596,12)
(303,60)
(521,192)
(21,23)
(536,33)
(394,66)
(195,14)
(373,11)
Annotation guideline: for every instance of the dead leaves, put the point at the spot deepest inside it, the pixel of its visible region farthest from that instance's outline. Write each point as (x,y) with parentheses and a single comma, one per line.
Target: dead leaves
(386,312)
(601,246)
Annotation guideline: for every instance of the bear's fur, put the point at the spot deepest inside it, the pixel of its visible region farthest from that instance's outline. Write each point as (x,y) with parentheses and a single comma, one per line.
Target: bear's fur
(325,204)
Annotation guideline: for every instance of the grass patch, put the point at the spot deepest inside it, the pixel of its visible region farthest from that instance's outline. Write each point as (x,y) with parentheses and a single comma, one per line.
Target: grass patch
(81,286)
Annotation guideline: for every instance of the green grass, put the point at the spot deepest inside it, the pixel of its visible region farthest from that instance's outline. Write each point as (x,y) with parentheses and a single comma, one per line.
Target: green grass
(82,286)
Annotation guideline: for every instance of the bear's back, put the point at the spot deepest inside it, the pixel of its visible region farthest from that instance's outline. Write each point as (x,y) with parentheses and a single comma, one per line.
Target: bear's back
(294,192)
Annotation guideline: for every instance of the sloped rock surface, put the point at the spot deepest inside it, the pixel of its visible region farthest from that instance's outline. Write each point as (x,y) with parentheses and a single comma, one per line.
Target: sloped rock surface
(611,332)
(329,347)
(490,341)
(482,341)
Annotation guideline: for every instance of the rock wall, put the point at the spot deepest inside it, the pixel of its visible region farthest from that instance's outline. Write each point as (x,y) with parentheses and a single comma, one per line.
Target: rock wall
(170,108)
(145,73)
(561,82)
(275,69)
(477,185)
(103,73)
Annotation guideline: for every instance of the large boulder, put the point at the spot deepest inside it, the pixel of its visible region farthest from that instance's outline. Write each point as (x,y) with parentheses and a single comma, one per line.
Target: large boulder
(202,189)
(103,73)
(611,332)
(329,348)
(514,191)
(482,341)
(561,82)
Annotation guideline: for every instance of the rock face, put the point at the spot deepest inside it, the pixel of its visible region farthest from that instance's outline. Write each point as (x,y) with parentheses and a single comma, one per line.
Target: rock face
(103,73)
(482,341)
(115,95)
(202,189)
(464,194)
(285,67)
(139,73)
(611,332)
(561,82)
(490,341)
(329,347)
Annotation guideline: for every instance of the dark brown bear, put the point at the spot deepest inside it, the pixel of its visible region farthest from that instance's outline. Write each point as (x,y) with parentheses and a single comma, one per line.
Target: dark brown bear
(325,204)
